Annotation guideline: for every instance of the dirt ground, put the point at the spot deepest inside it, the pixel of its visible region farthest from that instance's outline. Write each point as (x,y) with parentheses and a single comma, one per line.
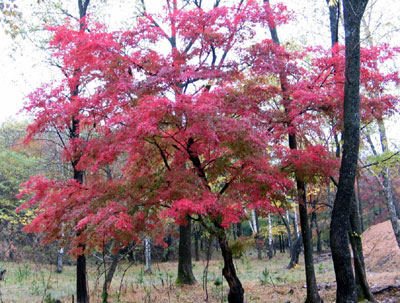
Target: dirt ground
(381,252)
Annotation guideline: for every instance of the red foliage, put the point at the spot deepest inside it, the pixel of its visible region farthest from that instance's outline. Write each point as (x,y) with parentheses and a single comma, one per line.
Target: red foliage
(199,130)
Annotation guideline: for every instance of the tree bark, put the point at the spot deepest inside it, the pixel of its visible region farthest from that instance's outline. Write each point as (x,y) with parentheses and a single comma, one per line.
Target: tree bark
(388,187)
(60,257)
(147,254)
(109,274)
(290,240)
(270,239)
(363,290)
(236,291)
(346,288)
(312,289)
(294,259)
(360,207)
(82,295)
(197,236)
(185,273)
(81,279)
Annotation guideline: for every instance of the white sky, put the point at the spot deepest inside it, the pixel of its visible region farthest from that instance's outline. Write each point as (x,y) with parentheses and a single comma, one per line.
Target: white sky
(25,70)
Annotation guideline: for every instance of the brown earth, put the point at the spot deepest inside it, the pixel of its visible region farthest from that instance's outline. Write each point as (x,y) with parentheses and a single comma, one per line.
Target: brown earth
(381,251)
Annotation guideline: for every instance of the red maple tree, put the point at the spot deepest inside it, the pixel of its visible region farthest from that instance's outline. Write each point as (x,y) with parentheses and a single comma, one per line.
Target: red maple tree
(189,104)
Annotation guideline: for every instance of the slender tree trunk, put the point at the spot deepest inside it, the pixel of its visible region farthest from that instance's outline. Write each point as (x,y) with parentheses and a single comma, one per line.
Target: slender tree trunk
(147,254)
(388,187)
(287,225)
(236,291)
(109,274)
(270,239)
(254,216)
(289,231)
(346,288)
(197,235)
(363,290)
(294,259)
(239,229)
(295,223)
(60,259)
(314,219)
(360,208)
(185,273)
(312,289)
(82,295)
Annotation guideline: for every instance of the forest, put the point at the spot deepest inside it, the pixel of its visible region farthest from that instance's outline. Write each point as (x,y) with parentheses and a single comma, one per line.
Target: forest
(200,151)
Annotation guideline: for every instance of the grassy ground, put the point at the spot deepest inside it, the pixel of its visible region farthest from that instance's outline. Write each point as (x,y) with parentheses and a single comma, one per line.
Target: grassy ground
(263,281)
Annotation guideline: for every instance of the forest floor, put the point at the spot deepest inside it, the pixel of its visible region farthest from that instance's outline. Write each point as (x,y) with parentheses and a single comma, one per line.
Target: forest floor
(263,281)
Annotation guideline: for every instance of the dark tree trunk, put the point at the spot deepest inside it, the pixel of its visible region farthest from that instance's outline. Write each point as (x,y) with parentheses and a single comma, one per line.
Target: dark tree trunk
(346,288)
(287,225)
(81,279)
(334,17)
(82,295)
(281,244)
(294,259)
(363,290)
(197,235)
(167,255)
(239,229)
(314,219)
(236,291)
(312,289)
(185,273)
(109,274)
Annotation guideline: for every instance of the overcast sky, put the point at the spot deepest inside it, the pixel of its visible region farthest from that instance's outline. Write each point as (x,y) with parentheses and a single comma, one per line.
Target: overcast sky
(22,68)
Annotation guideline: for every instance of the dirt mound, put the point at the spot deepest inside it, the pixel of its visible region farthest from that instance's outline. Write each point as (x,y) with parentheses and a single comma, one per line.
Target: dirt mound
(381,251)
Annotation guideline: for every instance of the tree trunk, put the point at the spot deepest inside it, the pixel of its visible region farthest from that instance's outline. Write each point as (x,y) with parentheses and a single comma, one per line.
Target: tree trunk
(81,279)
(315,221)
(294,259)
(346,289)
(388,187)
(312,289)
(185,273)
(109,274)
(197,235)
(289,231)
(270,240)
(236,291)
(82,295)
(363,290)
(257,237)
(60,257)
(360,208)
(81,275)
(147,254)
(295,223)
(239,229)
